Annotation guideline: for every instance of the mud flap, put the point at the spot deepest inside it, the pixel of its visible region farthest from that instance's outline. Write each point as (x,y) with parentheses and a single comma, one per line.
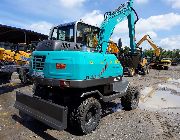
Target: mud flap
(49,113)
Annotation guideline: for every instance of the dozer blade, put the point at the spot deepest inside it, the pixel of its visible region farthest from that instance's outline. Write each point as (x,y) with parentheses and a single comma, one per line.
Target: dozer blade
(49,113)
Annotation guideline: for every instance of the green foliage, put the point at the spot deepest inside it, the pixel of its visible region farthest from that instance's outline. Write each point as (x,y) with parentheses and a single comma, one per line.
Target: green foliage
(149,52)
(164,53)
(126,50)
(173,54)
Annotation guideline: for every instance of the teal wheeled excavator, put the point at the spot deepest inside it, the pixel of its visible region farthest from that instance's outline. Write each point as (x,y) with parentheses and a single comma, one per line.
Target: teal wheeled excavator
(72,80)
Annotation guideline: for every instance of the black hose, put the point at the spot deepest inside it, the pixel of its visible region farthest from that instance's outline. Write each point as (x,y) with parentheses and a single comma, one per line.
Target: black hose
(136,15)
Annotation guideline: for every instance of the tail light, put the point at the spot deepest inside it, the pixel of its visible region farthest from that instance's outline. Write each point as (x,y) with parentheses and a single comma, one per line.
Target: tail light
(64,83)
(60,66)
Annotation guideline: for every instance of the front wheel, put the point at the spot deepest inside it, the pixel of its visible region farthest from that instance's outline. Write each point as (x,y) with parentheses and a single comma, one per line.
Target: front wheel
(131,99)
(87,116)
(23,76)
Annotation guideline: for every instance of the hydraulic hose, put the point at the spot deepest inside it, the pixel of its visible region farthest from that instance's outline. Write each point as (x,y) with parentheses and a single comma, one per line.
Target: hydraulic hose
(136,15)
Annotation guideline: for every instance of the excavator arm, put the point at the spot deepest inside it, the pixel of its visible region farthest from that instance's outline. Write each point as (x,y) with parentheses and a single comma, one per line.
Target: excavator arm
(111,19)
(153,45)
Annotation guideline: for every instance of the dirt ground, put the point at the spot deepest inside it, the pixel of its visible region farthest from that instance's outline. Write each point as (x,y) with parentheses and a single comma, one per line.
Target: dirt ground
(158,115)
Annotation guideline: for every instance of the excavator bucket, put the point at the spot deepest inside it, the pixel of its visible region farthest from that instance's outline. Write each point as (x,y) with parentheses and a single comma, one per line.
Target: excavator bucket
(49,113)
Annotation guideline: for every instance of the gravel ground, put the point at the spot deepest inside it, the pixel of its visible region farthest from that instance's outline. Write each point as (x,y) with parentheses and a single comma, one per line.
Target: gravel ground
(116,123)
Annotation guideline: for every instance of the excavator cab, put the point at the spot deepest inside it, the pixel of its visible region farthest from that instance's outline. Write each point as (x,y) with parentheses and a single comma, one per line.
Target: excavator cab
(81,33)
(18,47)
(21,55)
(77,32)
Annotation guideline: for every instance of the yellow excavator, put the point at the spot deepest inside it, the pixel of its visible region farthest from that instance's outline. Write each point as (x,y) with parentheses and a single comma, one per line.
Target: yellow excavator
(6,54)
(14,54)
(156,63)
(113,48)
(6,58)
(12,58)
(22,54)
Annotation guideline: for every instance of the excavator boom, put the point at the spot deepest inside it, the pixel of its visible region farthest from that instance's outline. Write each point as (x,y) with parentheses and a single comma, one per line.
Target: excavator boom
(153,45)
(111,19)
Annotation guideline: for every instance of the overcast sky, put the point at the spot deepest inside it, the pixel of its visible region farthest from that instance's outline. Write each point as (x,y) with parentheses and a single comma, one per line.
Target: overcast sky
(158,18)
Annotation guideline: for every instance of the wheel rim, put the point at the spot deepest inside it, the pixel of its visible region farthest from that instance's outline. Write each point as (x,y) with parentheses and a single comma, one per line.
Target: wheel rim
(91,115)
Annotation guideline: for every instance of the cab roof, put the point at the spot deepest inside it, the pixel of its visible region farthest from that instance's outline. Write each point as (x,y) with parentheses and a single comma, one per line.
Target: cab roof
(76,22)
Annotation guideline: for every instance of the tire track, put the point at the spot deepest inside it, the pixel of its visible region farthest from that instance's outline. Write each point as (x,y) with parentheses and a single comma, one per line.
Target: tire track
(161,127)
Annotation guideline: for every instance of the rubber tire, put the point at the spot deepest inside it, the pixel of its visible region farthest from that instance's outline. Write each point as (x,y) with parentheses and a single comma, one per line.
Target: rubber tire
(166,68)
(131,99)
(23,77)
(78,116)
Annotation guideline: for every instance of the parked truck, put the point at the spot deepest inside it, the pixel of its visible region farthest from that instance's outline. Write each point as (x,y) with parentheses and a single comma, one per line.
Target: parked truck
(72,80)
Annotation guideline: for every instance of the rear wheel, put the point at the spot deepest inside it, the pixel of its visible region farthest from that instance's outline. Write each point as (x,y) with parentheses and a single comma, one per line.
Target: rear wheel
(131,99)
(87,116)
